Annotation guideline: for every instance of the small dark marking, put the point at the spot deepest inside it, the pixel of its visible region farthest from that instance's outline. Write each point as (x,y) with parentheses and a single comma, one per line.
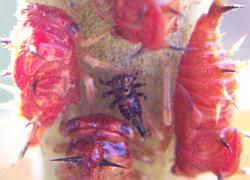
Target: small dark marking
(5,74)
(228,70)
(225,144)
(5,41)
(34,86)
(75,160)
(38,55)
(74,28)
(231,7)
(106,162)
(185,49)
(137,52)
(219,177)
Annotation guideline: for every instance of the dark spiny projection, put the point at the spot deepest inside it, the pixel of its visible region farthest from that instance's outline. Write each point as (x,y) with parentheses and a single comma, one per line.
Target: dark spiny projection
(127,98)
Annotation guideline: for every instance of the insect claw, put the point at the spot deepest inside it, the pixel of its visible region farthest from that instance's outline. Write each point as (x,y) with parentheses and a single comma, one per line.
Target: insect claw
(106,162)
(76,160)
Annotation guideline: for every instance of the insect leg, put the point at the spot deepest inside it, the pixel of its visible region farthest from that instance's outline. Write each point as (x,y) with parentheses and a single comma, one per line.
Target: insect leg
(113,103)
(109,93)
(105,82)
(36,126)
(136,53)
(138,85)
(142,95)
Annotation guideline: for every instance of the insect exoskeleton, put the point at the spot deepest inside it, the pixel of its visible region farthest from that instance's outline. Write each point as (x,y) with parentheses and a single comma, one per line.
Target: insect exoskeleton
(97,149)
(204,103)
(127,98)
(46,68)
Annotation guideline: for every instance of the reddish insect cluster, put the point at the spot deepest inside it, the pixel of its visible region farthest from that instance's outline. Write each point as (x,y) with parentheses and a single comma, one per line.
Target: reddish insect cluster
(98,148)
(46,71)
(45,63)
(204,103)
(148,22)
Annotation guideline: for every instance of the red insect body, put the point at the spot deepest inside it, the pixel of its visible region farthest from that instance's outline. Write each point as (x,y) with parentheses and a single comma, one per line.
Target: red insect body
(148,22)
(98,148)
(203,104)
(45,63)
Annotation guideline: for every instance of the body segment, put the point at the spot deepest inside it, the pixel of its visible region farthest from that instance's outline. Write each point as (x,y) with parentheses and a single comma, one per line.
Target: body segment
(98,148)
(204,103)
(45,67)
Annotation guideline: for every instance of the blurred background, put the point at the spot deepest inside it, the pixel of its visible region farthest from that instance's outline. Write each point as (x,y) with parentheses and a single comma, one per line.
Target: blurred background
(12,131)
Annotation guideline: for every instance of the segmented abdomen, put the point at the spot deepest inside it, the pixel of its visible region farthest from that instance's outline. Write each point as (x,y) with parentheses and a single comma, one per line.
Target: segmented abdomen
(45,66)
(204,104)
(99,146)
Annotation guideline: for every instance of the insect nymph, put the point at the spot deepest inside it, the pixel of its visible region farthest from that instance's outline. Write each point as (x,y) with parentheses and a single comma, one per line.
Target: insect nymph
(127,98)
